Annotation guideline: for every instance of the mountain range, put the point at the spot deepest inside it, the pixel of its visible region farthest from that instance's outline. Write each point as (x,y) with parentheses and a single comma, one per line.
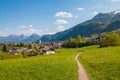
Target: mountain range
(102,22)
(21,38)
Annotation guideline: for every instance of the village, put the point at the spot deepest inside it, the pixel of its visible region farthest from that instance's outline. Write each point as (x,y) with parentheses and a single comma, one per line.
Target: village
(30,49)
(40,48)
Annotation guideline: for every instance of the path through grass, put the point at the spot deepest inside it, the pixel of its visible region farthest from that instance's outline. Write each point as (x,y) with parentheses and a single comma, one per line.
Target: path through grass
(101,63)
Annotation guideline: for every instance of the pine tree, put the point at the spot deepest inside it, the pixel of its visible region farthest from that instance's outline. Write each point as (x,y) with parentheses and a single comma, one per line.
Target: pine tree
(5,48)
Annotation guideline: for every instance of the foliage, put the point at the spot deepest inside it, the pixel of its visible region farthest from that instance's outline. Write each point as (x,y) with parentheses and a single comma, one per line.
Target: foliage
(76,42)
(5,48)
(24,54)
(4,55)
(32,53)
(73,42)
(22,44)
(110,39)
(30,46)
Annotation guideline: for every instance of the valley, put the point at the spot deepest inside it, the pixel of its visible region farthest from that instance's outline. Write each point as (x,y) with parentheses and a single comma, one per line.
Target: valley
(59,40)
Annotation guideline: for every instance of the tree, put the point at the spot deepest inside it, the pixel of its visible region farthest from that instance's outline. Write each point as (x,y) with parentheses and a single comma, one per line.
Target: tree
(5,48)
(73,42)
(30,46)
(22,44)
(78,41)
(110,39)
(11,44)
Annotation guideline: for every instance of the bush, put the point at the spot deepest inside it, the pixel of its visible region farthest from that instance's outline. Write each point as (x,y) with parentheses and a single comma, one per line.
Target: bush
(4,55)
(13,56)
(25,54)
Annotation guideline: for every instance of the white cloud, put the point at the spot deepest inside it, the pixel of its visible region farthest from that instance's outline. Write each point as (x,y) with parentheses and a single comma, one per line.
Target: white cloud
(60,28)
(115,0)
(95,13)
(61,22)
(23,26)
(31,31)
(49,33)
(80,9)
(28,30)
(76,16)
(36,31)
(30,26)
(64,14)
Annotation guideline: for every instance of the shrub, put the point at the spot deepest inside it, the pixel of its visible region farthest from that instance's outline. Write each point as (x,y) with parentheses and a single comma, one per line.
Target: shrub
(4,55)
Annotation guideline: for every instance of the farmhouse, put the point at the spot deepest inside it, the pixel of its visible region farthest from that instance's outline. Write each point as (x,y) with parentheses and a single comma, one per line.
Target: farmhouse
(46,50)
(93,40)
(13,51)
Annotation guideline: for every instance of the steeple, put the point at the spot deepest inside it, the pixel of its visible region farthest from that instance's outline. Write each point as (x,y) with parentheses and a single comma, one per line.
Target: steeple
(40,41)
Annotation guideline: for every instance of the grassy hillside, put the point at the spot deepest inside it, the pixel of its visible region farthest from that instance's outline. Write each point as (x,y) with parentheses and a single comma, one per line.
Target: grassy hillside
(101,63)
(60,66)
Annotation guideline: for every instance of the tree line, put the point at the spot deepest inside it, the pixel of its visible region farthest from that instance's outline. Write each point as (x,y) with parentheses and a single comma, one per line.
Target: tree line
(76,42)
(104,40)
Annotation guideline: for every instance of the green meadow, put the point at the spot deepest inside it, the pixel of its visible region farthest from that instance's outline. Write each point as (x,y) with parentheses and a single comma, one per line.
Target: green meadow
(101,63)
(60,66)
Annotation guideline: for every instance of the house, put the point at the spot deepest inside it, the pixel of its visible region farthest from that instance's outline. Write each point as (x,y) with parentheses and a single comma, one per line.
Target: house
(57,45)
(93,40)
(46,50)
(30,50)
(22,50)
(41,45)
(13,51)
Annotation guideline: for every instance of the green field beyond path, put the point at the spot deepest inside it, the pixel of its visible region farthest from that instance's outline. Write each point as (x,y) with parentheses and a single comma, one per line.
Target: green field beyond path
(101,63)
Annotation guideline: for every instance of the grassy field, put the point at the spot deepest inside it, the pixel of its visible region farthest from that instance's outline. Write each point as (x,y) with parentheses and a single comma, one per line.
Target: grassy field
(101,63)
(60,66)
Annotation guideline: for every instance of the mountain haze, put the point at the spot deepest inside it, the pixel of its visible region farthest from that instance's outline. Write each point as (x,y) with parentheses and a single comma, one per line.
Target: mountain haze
(21,38)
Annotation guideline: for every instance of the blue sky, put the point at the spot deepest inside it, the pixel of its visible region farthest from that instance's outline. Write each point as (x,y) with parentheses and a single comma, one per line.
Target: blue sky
(48,16)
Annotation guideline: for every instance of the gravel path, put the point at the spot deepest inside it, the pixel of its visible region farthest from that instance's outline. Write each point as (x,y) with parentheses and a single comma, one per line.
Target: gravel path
(81,71)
